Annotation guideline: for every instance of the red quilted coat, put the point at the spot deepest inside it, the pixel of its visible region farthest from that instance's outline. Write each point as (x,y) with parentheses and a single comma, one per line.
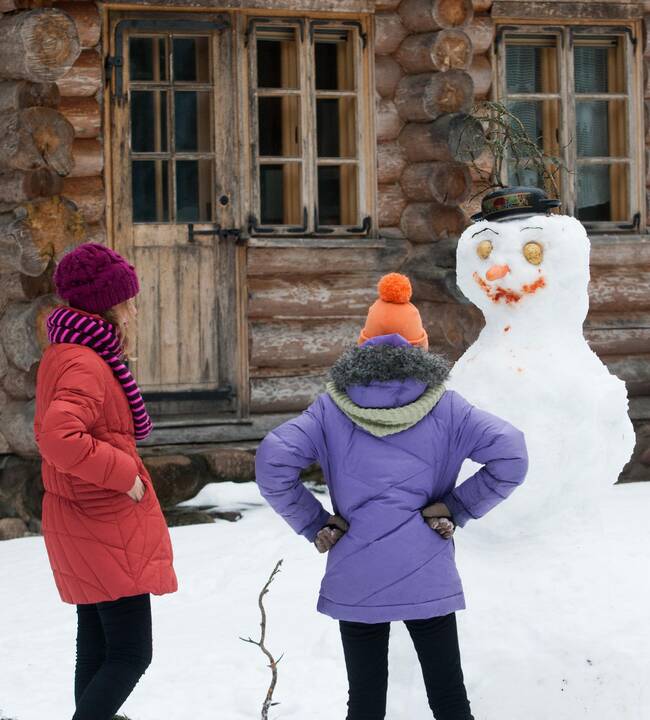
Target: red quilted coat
(102,545)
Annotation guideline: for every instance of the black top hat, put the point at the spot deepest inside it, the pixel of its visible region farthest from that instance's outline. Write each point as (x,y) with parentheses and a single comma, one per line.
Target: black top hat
(512,202)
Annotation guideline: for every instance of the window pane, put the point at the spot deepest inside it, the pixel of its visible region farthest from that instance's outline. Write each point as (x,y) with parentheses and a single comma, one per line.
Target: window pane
(279,123)
(337,195)
(147,59)
(280,194)
(149,121)
(336,127)
(334,63)
(277,61)
(540,120)
(603,192)
(194,190)
(192,121)
(531,69)
(191,59)
(599,68)
(150,189)
(601,128)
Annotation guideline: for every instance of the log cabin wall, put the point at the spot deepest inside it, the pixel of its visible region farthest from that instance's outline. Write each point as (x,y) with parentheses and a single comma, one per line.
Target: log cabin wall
(51,193)
(306,299)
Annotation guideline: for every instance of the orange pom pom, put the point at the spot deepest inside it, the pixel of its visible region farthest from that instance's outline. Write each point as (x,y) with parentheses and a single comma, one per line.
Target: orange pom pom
(395,288)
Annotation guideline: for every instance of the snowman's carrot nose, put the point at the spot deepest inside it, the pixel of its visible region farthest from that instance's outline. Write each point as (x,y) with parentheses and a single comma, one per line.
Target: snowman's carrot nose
(496,272)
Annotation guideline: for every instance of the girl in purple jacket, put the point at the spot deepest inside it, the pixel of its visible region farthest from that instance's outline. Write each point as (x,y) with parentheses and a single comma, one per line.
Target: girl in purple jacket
(391,441)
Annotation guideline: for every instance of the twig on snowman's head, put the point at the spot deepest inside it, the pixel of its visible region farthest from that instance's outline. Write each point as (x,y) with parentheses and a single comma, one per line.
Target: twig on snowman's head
(273,663)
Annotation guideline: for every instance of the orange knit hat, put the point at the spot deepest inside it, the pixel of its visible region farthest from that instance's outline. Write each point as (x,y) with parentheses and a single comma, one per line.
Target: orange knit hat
(393,313)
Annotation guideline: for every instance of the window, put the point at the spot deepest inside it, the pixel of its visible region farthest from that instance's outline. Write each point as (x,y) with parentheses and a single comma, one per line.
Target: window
(306,81)
(574,91)
(171,111)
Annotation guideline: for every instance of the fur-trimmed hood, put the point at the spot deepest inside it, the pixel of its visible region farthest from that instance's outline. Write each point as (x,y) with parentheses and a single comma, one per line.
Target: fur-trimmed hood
(376,361)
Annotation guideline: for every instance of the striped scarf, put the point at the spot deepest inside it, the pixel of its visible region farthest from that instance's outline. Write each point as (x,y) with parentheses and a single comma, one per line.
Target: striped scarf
(66,325)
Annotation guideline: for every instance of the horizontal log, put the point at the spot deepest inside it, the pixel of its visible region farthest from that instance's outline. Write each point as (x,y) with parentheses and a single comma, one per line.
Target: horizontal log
(472,205)
(451,327)
(388,123)
(430,221)
(482,6)
(34,234)
(448,183)
(19,94)
(387,74)
(23,331)
(389,33)
(84,78)
(96,232)
(456,136)
(629,319)
(88,158)
(391,161)
(634,370)
(38,45)
(386,4)
(324,296)
(420,98)
(620,341)
(618,251)
(291,343)
(618,333)
(83,113)
(436,286)
(440,50)
(16,286)
(36,137)
(4,366)
(86,19)
(620,288)
(425,15)
(18,186)
(17,422)
(20,385)
(285,394)
(391,202)
(88,195)
(382,257)
(481,73)
(481,31)
(574,12)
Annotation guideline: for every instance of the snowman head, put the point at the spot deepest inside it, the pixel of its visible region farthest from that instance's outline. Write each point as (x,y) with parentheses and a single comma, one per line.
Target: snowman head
(526,265)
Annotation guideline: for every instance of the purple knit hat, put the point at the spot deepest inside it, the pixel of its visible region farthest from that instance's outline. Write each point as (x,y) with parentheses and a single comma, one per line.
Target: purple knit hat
(94,278)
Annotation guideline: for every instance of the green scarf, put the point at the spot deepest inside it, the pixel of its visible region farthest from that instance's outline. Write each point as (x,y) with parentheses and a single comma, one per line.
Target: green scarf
(387,421)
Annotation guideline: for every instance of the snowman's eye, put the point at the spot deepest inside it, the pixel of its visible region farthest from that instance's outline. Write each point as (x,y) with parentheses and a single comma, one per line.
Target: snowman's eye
(483,249)
(533,253)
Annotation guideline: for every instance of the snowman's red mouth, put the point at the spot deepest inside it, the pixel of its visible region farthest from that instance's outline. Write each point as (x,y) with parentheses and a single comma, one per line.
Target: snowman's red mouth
(497,293)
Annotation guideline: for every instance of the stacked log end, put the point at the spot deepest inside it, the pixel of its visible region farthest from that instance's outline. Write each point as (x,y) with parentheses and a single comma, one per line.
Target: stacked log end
(432,63)
(51,187)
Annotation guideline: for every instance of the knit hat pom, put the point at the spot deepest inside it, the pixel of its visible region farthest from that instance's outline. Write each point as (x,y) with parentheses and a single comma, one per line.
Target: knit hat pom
(395,288)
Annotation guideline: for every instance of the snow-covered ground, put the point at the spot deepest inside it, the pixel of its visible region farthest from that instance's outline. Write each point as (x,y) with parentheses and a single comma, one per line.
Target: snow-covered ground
(556,628)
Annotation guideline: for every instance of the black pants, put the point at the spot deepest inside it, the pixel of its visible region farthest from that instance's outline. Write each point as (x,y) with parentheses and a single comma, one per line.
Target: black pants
(365,647)
(113,651)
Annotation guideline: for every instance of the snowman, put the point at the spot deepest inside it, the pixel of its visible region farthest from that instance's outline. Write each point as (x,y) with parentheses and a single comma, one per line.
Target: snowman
(528,272)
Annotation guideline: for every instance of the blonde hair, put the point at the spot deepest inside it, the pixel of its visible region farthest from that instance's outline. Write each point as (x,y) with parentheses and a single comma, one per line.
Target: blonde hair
(125,333)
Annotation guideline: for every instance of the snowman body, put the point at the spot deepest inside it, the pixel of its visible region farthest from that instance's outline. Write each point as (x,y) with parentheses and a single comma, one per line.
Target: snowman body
(532,366)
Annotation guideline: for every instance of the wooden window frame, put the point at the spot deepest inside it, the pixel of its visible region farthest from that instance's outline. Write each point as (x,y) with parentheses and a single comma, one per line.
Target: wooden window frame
(565,35)
(306,29)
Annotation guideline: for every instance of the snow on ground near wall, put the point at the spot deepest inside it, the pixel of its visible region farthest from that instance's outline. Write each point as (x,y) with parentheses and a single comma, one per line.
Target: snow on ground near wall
(555,629)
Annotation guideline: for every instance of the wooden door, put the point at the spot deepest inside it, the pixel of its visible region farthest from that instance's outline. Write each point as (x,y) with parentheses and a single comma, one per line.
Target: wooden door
(173,153)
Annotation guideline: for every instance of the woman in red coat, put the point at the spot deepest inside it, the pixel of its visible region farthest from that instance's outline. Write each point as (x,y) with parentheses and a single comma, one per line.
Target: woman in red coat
(105,534)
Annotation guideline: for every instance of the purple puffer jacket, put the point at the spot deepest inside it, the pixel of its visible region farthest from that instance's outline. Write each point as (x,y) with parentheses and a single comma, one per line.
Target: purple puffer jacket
(390,565)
